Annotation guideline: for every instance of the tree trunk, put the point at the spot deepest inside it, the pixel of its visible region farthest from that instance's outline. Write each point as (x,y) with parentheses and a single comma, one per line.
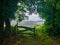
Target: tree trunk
(54,15)
(8,30)
(8,27)
(1,25)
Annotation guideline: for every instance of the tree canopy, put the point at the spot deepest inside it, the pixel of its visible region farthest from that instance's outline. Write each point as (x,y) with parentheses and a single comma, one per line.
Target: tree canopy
(47,9)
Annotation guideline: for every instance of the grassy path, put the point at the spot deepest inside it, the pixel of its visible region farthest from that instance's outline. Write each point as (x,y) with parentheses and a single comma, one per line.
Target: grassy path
(31,41)
(40,39)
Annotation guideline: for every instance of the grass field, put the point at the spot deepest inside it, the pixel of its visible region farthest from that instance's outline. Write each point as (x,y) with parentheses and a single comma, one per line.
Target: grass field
(27,38)
(41,38)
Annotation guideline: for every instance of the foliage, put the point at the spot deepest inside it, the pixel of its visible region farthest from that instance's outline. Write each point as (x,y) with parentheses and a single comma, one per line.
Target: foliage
(20,13)
(50,12)
(48,9)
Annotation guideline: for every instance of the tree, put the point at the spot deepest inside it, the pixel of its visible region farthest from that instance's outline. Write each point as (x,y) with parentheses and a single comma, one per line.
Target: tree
(7,13)
(1,15)
(49,11)
(9,9)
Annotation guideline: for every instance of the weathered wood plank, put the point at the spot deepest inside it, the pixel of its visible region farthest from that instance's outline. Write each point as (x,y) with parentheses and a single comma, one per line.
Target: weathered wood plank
(27,28)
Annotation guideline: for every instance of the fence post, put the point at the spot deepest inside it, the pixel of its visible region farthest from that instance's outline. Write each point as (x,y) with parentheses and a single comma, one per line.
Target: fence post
(34,31)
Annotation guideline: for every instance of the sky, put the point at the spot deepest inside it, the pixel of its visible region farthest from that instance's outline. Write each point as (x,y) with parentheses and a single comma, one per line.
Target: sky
(33,17)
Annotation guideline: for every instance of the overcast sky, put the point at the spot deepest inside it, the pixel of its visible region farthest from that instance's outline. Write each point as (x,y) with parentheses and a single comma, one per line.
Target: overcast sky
(33,17)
